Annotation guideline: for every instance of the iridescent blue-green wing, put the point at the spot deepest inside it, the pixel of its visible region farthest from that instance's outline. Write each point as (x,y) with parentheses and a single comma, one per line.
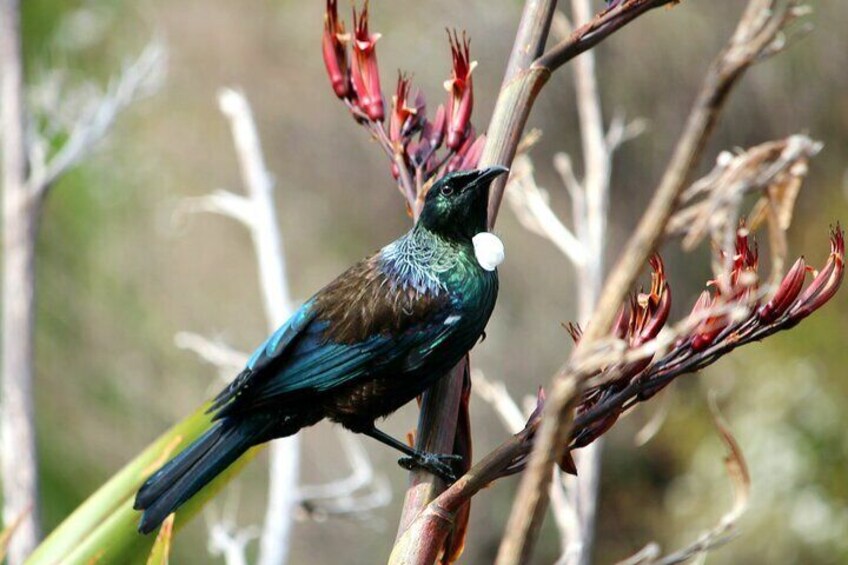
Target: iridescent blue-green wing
(273,349)
(358,323)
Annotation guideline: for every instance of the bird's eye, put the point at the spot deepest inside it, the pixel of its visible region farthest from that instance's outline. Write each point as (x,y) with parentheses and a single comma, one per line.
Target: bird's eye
(447,190)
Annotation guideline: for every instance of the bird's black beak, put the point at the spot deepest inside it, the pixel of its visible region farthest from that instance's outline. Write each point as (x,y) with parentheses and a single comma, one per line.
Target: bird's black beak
(486,175)
(482,178)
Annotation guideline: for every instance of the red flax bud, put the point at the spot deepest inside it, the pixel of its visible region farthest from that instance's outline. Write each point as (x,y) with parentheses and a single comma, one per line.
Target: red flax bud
(743,277)
(436,133)
(708,329)
(574,331)
(401,111)
(622,322)
(471,157)
(826,283)
(364,72)
(653,308)
(737,286)
(334,51)
(460,91)
(789,289)
(457,161)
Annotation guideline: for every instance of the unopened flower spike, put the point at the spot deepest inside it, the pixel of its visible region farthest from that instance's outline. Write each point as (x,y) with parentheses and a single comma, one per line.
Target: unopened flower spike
(403,115)
(788,290)
(365,74)
(460,91)
(334,51)
(826,282)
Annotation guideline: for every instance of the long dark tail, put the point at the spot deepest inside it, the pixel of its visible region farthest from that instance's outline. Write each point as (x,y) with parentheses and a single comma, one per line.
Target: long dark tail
(181,478)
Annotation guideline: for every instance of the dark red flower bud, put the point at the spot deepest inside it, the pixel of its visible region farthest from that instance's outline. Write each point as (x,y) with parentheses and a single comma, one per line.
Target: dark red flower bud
(436,133)
(574,331)
(402,113)
(622,322)
(707,329)
(705,338)
(566,463)
(365,74)
(826,282)
(788,290)
(471,157)
(744,278)
(704,302)
(460,91)
(653,308)
(335,52)
(455,163)
(536,416)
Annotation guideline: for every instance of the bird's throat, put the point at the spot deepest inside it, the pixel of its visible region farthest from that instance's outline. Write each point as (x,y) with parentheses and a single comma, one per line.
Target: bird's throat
(418,259)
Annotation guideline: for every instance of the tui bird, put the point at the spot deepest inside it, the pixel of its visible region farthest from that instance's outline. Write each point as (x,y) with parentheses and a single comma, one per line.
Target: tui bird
(372,340)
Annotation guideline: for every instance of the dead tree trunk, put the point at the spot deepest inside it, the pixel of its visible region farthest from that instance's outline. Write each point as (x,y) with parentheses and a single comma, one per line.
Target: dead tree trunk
(20,219)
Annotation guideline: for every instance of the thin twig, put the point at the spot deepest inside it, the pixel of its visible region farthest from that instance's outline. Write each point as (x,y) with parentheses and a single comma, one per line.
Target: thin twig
(596,30)
(526,76)
(213,352)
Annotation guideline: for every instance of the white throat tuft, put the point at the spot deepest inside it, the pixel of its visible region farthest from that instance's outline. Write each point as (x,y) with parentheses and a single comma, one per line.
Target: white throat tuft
(489,250)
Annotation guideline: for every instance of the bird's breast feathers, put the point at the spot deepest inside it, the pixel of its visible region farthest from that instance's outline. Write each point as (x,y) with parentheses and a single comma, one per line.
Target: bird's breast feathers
(417,280)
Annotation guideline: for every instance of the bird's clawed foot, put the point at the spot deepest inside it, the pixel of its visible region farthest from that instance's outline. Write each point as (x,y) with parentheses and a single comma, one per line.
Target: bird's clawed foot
(440,464)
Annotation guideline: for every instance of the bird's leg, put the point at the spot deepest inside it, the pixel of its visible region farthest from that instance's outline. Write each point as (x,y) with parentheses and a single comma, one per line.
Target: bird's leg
(437,463)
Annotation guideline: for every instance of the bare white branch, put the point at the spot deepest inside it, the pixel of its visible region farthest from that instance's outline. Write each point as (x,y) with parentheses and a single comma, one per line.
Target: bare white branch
(221,202)
(621,131)
(259,186)
(532,208)
(497,396)
(359,493)
(136,80)
(565,168)
(591,219)
(563,165)
(230,543)
(222,356)
(566,518)
(361,472)
(27,173)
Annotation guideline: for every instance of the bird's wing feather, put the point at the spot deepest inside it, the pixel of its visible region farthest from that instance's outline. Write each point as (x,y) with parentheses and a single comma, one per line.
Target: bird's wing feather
(272,348)
(360,322)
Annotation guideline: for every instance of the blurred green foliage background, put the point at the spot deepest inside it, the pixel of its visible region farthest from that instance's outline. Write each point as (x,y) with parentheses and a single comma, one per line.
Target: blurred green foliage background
(119,275)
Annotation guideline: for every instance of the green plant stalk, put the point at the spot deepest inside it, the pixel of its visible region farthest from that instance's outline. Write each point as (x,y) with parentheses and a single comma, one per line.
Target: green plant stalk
(161,551)
(103,528)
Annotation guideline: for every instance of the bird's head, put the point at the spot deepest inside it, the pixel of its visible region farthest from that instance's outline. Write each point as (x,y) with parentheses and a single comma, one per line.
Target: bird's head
(456,205)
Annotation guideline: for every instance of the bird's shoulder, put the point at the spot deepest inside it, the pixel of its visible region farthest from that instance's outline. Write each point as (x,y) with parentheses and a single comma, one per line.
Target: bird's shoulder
(375,298)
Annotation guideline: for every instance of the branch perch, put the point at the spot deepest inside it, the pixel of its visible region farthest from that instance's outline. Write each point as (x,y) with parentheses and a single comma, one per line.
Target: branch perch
(756,36)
